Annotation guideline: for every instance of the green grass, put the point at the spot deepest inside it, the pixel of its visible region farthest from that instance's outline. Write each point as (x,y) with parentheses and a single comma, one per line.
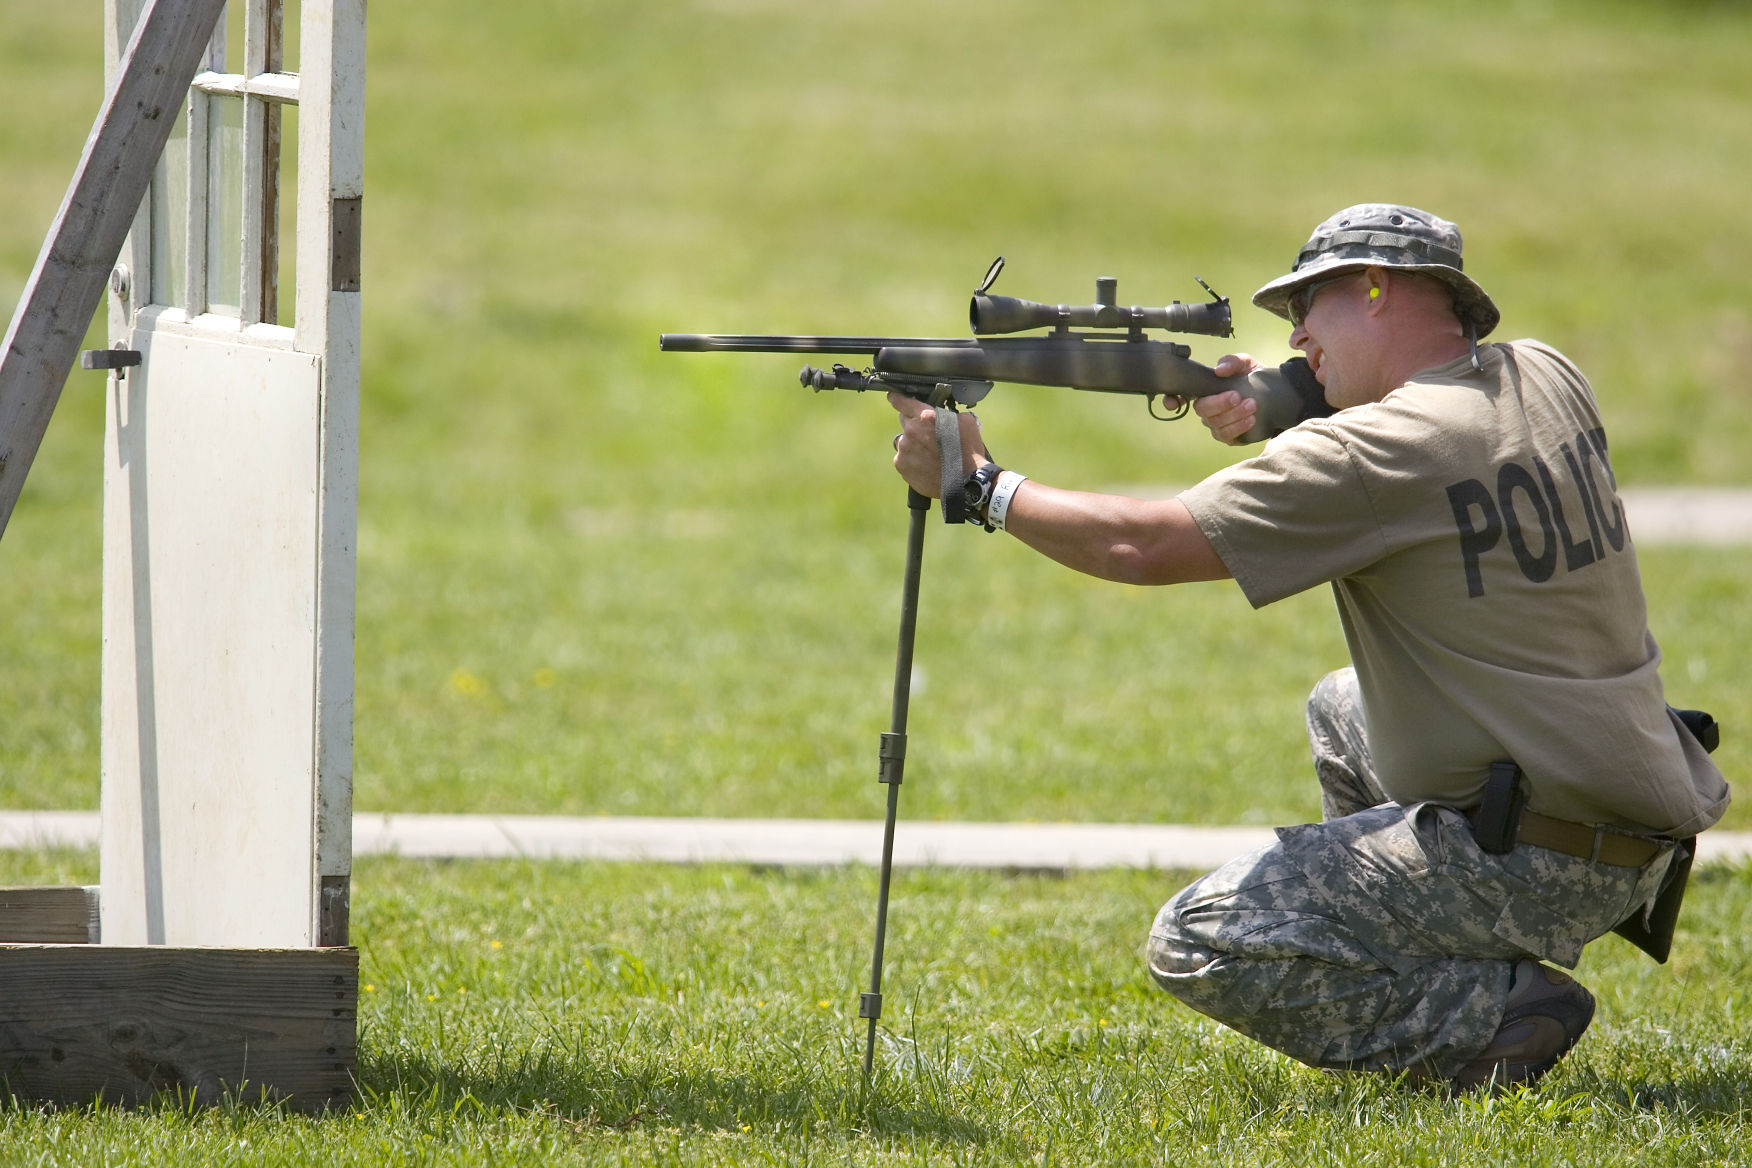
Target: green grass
(539,1013)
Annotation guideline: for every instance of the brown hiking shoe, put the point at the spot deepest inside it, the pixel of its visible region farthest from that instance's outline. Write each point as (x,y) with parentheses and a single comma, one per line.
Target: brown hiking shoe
(1547,1012)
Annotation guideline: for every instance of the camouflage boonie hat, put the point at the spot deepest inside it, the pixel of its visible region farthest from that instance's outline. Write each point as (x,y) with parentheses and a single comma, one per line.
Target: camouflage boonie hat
(1383,235)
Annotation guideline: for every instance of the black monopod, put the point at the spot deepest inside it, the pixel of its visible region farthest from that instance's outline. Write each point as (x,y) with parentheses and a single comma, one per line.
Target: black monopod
(893,755)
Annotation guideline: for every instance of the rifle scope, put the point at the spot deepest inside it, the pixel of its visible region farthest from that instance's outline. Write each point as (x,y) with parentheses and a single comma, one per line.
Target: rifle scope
(1008,314)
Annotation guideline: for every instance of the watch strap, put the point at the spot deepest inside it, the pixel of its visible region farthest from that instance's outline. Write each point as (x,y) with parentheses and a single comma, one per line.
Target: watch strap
(1004,490)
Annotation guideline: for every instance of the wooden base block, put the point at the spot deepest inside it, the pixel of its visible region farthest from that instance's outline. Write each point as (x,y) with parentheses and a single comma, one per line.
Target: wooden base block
(124,1024)
(48,914)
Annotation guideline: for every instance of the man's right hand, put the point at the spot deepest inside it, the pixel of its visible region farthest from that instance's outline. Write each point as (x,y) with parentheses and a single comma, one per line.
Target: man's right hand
(1228,415)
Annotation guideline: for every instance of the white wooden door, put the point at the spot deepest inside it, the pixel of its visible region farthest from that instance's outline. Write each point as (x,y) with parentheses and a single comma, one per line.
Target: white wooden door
(230,471)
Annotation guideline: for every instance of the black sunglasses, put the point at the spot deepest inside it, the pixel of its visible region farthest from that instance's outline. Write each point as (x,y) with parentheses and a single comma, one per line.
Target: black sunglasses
(1303,298)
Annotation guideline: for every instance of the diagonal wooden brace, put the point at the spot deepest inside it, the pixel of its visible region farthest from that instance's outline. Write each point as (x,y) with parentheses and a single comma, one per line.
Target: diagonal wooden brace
(73,268)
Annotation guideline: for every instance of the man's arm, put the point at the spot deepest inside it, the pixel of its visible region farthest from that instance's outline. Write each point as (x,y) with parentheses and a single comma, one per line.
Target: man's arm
(1113,537)
(1133,541)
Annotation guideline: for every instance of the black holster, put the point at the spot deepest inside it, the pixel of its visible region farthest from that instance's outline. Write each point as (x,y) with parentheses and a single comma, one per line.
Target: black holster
(1497,824)
(1652,931)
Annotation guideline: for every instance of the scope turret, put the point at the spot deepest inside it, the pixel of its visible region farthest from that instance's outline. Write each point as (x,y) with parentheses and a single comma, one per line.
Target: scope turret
(1007,314)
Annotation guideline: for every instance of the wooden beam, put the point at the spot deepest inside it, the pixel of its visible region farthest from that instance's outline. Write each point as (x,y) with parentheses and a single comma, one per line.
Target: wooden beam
(49,914)
(73,267)
(126,1024)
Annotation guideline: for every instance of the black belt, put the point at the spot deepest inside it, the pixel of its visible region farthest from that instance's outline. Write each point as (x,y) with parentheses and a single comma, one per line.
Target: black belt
(1600,844)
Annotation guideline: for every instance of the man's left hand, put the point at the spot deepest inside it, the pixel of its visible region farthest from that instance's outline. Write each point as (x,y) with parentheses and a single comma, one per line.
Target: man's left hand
(915,448)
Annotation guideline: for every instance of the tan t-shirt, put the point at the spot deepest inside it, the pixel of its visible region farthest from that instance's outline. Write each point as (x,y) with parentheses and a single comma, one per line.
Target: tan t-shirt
(1471,529)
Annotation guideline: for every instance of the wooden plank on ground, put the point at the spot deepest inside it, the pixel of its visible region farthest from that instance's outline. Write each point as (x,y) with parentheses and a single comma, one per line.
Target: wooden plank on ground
(125,1024)
(73,267)
(48,914)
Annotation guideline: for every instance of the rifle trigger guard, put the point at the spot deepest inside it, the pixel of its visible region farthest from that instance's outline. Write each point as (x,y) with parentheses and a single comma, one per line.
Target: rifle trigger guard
(1150,404)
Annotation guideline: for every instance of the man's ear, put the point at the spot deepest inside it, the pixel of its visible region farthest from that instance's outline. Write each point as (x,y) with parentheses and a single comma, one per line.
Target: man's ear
(1380,287)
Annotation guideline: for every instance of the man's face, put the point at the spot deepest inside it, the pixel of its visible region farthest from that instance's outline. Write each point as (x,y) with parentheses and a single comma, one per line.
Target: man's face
(1330,334)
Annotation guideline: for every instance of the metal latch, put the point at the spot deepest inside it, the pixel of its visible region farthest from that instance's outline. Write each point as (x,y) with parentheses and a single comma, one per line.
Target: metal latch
(117,358)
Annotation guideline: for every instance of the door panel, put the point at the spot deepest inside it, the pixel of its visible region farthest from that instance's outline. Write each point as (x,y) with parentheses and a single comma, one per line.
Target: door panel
(209,634)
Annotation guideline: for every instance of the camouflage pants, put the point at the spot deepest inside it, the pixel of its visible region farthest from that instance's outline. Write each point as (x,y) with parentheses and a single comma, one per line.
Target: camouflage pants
(1382,938)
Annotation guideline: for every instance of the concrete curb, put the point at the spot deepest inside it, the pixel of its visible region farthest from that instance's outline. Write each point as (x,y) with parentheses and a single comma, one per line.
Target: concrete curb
(801,842)
(1713,516)
(1659,516)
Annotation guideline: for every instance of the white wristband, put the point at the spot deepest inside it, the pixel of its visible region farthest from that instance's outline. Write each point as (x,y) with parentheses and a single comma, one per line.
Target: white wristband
(1002,492)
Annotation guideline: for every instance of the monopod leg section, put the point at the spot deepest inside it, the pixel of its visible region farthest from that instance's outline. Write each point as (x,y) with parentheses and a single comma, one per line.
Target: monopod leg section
(893,756)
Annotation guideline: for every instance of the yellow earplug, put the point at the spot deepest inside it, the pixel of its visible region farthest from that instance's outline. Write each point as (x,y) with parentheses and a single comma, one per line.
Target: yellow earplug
(1374,292)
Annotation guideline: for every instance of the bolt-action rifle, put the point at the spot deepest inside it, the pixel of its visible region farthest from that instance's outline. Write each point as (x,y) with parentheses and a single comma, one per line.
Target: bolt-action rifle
(949,372)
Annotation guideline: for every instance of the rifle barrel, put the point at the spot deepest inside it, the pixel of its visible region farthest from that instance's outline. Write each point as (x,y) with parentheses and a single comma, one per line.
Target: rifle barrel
(757,343)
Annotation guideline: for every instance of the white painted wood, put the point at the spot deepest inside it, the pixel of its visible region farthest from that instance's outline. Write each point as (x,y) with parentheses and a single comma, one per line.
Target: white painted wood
(67,284)
(209,636)
(229,541)
(215,328)
(261,37)
(135,261)
(276,87)
(199,106)
(331,154)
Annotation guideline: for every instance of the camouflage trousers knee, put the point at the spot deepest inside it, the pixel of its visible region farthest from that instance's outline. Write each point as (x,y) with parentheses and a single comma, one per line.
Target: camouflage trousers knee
(1384,937)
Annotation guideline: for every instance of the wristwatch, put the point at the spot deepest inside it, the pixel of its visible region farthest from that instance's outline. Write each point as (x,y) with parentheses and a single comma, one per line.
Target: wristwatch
(976,493)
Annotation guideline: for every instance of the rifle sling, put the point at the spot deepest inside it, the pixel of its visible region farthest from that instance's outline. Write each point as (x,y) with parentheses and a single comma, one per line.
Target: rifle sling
(949,452)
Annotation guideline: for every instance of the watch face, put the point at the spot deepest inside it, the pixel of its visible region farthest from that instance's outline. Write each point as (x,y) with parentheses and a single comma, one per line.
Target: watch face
(978,488)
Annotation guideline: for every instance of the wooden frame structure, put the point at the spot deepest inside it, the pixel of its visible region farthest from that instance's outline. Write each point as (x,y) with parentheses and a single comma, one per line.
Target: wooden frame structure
(213,958)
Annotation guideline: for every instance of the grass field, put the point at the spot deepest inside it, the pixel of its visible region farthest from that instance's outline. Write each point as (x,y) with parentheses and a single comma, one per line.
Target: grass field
(597,579)
(585,1014)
